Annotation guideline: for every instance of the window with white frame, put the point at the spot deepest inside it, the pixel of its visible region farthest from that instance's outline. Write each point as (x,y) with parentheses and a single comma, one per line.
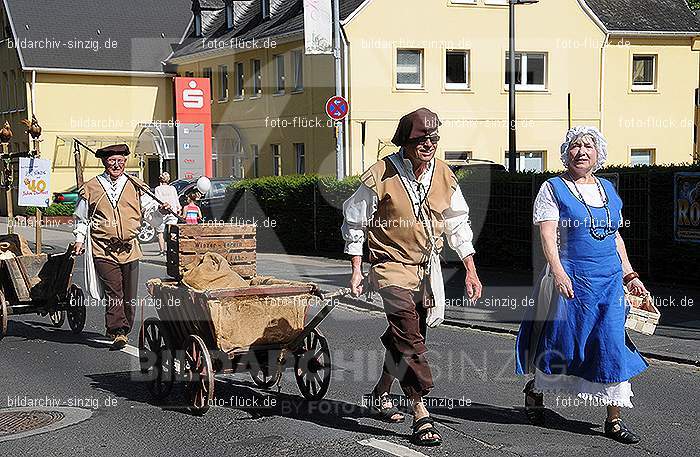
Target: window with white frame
(457,69)
(279,73)
(528,161)
(457,156)
(409,69)
(530,71)
(240,80)
(301,158)
(298,67)
(644,72)
(223,83)
(276,160)
(642,157)
(257,77)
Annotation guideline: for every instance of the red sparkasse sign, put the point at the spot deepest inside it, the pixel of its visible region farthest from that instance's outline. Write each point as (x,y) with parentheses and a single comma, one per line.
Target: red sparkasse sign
(193,115)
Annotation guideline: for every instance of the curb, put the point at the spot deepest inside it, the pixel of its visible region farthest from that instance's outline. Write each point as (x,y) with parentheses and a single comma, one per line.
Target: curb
(661,356)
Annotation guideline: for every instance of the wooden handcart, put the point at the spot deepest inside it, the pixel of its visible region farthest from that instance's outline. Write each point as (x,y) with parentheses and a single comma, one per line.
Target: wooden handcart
(257,328)
(41,284)
(188,340)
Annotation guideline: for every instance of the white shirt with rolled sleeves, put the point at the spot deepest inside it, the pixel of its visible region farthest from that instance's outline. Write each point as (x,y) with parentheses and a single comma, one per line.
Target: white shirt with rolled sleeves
(113,189)
(359,210)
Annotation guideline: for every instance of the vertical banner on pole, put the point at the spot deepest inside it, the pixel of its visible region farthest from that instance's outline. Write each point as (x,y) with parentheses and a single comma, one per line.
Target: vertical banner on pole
(194,135)
(318,27)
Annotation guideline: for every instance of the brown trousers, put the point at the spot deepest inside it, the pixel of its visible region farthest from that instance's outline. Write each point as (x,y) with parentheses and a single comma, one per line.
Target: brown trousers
(404,341)
(121,285)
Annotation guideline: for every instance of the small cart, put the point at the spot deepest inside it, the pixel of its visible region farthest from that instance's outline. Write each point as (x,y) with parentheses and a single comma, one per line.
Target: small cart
(248,329)
(41,284)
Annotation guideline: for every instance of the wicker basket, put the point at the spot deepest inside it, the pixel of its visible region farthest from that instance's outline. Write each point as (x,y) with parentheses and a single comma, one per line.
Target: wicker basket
(643,316)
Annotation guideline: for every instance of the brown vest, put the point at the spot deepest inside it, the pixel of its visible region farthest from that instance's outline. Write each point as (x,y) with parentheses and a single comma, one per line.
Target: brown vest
(108,222)
(398,242)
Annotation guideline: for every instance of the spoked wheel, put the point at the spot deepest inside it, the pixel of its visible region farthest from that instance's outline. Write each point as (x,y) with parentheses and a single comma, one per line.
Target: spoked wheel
(3,315)
(312,366)
(156,358)
(199,376)
(57,318)
(263,373)
(76,313)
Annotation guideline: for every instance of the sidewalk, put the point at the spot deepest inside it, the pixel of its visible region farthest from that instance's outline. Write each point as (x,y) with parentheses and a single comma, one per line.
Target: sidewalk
(505,296)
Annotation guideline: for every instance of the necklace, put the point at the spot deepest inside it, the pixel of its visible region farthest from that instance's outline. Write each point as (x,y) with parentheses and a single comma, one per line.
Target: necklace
(602,231)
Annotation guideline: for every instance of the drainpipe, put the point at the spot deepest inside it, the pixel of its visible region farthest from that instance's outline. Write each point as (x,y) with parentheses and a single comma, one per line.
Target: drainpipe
(346,87)
(32,93)
(602,81)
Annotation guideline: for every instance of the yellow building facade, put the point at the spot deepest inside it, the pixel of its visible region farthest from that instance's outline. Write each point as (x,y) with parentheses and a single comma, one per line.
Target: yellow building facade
(576,67)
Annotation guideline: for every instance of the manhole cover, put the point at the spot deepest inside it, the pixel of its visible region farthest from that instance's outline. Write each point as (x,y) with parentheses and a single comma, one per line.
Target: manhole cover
(22,422)
(25,421)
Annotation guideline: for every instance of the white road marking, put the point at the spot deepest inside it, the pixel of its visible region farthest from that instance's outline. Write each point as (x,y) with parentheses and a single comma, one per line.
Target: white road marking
(391,448)
(128,349)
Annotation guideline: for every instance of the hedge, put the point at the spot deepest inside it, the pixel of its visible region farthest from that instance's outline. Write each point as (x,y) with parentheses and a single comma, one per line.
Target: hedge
(308,214)
(55,209)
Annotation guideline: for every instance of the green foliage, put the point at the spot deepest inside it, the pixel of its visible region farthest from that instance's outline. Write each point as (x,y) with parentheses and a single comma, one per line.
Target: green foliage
(307,211)
(56,209)
(694,4)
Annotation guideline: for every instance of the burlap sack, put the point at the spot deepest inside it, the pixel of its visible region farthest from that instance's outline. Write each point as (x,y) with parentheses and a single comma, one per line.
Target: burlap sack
(212,272)
(15,244)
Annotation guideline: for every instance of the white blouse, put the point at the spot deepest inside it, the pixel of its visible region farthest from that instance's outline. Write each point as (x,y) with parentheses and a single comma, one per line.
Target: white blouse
(546,208)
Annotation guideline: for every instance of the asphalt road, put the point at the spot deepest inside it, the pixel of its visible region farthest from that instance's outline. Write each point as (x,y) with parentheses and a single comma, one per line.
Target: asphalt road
(476,400)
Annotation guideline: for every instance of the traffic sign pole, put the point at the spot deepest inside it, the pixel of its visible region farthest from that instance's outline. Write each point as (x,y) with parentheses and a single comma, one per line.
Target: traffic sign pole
(339,153)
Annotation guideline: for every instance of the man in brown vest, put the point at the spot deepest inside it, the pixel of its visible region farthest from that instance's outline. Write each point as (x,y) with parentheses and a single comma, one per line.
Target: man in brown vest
(109,215)
(403,207)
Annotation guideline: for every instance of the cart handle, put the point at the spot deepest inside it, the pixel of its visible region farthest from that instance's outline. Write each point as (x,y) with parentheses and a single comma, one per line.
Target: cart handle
(337,293)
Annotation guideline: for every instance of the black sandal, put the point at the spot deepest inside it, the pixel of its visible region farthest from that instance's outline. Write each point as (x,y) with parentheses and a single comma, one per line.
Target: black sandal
(534,404)
(618,431)
(418,436)
(376,405)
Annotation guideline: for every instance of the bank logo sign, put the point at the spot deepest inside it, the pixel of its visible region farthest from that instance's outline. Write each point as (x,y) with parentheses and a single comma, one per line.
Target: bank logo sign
(194,133)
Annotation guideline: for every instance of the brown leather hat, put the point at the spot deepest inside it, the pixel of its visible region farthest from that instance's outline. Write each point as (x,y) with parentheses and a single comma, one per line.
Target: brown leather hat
(112,150)
(420,123)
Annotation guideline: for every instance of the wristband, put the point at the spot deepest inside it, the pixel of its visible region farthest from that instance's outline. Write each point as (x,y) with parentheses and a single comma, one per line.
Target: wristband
(628,278)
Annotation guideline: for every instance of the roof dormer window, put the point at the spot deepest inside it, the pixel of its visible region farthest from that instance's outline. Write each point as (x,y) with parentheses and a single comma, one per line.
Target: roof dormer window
(229,15)
(265,7)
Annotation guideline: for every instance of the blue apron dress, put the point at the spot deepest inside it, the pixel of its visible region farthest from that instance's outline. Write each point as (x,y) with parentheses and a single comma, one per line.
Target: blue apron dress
(583,337)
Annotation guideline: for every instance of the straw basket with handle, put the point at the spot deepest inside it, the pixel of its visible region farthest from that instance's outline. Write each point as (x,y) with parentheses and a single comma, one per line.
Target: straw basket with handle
(643,316)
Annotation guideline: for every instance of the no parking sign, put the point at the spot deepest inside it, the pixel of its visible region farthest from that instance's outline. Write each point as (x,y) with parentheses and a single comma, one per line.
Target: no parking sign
(337,108)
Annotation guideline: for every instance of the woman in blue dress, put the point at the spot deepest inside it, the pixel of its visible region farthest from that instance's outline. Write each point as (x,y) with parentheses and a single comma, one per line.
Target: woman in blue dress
(574,340)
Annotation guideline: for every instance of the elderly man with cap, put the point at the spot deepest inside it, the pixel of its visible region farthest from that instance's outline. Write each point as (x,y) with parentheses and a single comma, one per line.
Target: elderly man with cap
(406,202)
(109,214)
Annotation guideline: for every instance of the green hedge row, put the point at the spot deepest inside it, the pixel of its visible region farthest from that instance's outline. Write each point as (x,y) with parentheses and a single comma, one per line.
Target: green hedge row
(307,210)
(55,209)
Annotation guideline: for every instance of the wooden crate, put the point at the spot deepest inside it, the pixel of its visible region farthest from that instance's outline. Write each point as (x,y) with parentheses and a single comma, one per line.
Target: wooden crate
(187,243)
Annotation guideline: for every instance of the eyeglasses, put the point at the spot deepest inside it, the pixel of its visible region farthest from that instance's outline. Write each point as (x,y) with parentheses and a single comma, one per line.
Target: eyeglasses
(424,140)
(116,161)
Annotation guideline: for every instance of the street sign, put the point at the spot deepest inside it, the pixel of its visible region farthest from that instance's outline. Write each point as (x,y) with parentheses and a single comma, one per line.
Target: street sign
(337,108)
(194,132)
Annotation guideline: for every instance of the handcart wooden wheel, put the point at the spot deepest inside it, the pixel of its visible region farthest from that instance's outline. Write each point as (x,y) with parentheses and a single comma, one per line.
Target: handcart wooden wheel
(3,315)
(262,377)
(199,375)
(312,366)
(76,310)
(57,318)
(156,358)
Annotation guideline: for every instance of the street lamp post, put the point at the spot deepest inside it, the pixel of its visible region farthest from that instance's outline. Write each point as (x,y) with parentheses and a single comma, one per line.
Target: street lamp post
(512,147)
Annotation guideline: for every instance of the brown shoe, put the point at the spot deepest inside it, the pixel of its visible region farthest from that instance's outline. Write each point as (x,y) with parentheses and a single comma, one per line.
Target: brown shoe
(120,341)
